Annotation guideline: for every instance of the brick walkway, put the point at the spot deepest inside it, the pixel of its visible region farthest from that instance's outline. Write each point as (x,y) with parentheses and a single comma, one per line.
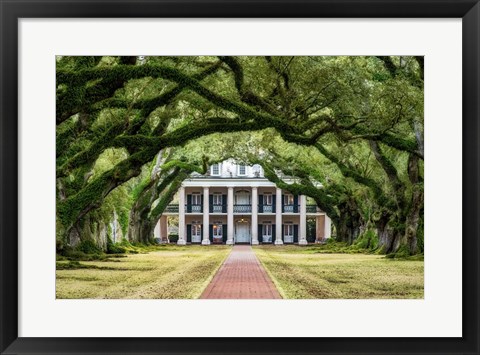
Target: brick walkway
(241,276)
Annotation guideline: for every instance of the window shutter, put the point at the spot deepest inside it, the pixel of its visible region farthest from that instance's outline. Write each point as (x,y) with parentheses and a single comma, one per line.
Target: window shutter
(224,205)
(274,198)
(224,233)
(210,232)
(260,203)
(260,233)
(283,231)
(295,233)
(274,232)
(295,203)
(189,233)
(210,203)
(201,202)
(189,203)
(283,203)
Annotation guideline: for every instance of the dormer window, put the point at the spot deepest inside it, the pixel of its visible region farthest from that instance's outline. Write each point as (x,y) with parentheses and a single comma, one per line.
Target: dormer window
(215,170)
(241,170)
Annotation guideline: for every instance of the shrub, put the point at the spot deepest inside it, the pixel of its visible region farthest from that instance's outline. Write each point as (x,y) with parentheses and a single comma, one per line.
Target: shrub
(401,253)
(89,247)
(173,238)
(114,248)
(368,240)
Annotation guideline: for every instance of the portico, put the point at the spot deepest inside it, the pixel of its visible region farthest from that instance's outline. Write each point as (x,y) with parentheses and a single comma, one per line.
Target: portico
(242,209)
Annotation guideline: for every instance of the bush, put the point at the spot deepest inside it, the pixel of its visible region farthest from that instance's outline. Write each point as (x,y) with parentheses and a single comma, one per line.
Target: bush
(368,240)
(89,247)
(114,248)
(173,238)
(401,253)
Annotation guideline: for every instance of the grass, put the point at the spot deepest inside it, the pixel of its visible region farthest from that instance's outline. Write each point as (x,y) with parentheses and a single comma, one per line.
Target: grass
(313,273)
(165,272)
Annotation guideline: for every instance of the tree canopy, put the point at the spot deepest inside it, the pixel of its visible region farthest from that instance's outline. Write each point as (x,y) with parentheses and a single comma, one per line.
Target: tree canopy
(349,129)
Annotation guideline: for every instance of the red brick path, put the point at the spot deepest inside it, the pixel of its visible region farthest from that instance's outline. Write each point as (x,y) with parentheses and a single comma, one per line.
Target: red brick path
(241,276)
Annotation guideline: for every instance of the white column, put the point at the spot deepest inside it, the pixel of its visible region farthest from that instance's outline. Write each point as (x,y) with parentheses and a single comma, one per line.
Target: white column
(320,229)
(302,238)
(206,215)
(328,227)
(278,218)
(254,216)
(163,225)
(156,231)
(181,217)
(230,216)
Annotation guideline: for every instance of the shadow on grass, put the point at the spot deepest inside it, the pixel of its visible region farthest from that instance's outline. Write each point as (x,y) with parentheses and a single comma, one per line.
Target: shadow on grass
(75,265)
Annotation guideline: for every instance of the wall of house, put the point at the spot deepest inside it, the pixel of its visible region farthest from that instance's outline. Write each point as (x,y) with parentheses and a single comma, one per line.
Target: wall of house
(229,168)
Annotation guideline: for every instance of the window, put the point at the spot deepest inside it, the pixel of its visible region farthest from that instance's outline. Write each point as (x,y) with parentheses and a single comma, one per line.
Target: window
(267,203)
(288,230)
(288,203)
(217,199)
(267,230)
(196,199)
(241,170)
(217,230)
(215,169)
(196,229)
(196,202)
(267,199)
(217,203)
(196,232)
(288,200)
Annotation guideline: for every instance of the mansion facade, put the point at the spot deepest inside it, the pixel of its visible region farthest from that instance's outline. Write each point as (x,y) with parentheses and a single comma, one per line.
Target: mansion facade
(236,204)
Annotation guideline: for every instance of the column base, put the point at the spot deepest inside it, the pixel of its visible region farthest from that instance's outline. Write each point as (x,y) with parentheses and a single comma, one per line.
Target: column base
(206,242)
(302,242)
(181,242)
(255,242)
(230,242)
(279,242)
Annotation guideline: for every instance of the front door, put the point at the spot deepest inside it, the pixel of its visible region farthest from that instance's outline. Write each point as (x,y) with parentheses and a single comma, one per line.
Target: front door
(242,232)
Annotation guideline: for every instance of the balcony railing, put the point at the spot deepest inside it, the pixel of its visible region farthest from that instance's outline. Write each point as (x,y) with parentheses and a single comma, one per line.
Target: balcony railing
(172,208)
(194,208)
(218,208)
(312,209)
(266,209)
(242,208)
(291,208)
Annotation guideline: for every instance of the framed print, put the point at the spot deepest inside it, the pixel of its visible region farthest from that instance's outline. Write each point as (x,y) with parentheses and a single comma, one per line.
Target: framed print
(239,177)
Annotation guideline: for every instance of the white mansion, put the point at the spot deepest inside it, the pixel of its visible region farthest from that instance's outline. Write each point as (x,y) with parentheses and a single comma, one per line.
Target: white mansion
(237,204)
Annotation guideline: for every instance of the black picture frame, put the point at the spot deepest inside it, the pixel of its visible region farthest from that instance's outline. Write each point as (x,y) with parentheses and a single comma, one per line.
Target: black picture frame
(12,11)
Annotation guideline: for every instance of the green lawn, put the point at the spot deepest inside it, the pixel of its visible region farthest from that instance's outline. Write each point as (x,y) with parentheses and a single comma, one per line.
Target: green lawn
(170,272)
(305,272)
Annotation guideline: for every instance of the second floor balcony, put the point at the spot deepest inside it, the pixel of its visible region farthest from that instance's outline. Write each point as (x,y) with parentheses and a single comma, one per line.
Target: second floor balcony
(241,208)
(313,209)
(291,208)
(218,208)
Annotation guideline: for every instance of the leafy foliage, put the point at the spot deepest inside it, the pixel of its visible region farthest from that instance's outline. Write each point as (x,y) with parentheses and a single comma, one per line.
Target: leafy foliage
(348,129)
